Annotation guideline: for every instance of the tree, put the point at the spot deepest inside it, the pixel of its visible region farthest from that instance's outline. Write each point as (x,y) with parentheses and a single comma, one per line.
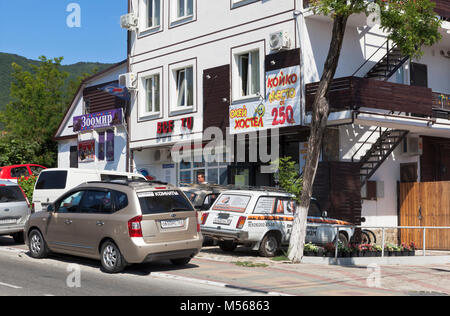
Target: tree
(410,24)
(37,106)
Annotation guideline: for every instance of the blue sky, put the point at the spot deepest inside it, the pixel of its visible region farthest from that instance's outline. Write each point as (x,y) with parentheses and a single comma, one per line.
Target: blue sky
(32,28)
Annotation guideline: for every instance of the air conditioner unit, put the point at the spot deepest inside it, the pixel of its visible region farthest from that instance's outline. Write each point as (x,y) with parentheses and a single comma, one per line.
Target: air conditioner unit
(129,21)
(128,80)
(445,53)
(161,155)
(279,40)
(412,146)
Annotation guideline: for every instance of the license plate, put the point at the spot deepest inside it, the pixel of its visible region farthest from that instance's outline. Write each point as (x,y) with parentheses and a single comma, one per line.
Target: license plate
(222,221)
(8,221)
(172,223)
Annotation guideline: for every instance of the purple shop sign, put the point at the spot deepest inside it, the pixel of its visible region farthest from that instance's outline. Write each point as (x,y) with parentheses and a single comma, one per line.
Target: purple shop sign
(97,120)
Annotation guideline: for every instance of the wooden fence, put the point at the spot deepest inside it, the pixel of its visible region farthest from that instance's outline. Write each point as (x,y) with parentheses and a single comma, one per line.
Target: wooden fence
(425,204)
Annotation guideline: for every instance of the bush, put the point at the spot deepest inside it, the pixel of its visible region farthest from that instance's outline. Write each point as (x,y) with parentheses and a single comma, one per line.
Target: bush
(27,186)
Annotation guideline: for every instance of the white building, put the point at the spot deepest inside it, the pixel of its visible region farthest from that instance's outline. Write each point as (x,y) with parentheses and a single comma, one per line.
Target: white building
(198,62)
(107,145)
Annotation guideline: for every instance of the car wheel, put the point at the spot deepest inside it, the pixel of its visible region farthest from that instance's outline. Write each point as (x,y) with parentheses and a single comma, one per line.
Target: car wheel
(37,245)
(111,258)
(365,238)
(180,261)
(343,240)
(269,246)
(227,245)
(19,238)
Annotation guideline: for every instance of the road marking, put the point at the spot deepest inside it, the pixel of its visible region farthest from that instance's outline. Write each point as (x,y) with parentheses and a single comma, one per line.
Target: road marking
(11,286)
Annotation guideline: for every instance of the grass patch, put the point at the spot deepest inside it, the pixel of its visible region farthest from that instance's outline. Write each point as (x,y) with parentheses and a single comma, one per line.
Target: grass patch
(280,258)
(249,264)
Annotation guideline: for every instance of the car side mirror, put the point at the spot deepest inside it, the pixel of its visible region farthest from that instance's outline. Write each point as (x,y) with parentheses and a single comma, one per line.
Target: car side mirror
(50,208)
(324,214)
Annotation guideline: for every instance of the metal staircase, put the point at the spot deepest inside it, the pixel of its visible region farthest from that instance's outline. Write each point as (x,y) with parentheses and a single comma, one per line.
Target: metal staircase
(380,150)
(387,66)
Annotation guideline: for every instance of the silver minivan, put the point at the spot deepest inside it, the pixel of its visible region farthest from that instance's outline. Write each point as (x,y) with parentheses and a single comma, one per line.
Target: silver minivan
(14,210)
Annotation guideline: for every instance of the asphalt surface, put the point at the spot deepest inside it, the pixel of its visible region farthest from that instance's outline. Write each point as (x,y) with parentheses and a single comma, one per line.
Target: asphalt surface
(215,273)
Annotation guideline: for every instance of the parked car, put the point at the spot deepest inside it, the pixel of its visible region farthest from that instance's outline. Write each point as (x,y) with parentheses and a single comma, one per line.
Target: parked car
(12,173)
(14,210)
(202,196)
(119,223)
(54,182)
(262,219)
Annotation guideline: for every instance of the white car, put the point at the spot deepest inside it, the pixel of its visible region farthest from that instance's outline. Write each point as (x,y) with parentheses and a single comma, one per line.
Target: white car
(262,219)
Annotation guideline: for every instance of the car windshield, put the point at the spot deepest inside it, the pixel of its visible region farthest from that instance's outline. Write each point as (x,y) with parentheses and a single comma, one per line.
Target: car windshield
(154,202)
(232,203)
(11,194)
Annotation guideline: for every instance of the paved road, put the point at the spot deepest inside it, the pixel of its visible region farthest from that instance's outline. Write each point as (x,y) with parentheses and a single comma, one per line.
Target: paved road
(213,272)
(69,276)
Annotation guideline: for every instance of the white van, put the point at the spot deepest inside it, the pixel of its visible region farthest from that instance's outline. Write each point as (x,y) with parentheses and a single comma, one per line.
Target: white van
(54,182)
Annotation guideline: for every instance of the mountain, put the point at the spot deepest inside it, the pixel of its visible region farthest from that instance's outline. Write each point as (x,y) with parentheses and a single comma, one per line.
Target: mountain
(74,70)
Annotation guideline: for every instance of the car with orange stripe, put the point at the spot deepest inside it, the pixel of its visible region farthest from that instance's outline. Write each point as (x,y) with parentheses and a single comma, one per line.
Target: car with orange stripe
(262,220)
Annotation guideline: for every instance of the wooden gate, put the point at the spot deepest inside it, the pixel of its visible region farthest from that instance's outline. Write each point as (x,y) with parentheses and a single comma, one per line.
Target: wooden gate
(425,204)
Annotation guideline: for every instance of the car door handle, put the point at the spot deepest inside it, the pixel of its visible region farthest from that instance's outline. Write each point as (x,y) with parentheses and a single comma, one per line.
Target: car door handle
(68,221)
(6,209)
(100,223)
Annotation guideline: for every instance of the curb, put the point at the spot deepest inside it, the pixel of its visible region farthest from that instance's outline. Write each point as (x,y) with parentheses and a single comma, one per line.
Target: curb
(213,283)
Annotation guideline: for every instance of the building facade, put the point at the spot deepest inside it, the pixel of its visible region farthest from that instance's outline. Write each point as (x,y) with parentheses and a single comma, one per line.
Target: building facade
(93,132)
(238,67)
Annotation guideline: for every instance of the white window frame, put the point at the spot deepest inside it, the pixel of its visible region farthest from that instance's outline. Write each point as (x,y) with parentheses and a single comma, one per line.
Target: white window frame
(143,95)
(240,3)
(175,18)
(174,83)
(144,18)
(237,54)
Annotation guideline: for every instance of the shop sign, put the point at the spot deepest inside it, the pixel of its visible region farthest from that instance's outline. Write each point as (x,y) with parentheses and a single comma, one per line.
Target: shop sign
(97,120)
(86,151)
(280,108)
(168,127)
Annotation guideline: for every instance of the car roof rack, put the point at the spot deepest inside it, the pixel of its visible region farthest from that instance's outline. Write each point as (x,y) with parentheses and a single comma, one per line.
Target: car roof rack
(127,182)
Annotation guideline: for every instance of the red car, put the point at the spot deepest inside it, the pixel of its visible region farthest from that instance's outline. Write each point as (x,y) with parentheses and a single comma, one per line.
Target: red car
(12,173)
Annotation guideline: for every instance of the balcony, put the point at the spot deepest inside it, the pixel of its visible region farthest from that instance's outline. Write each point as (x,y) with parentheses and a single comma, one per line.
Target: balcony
(351,93)
(442,8)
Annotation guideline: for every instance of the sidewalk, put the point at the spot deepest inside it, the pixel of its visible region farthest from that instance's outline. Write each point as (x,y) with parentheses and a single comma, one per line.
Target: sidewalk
(245,269)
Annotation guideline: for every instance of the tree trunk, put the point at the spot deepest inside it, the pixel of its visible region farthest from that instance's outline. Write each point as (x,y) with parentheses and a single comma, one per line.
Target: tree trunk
(319,119)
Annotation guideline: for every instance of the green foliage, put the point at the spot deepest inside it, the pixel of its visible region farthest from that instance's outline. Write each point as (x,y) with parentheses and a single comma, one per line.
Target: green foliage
(288,176)
(410,24)
(27,186)
(75,71)
(40,93)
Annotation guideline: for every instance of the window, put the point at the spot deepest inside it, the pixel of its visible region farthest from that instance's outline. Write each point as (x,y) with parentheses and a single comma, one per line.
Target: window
(153,13)
(265,205)
(163,202)
(185,8)
(70,203)
(36,170)
(18,172)
(247,71)
(185,87)
(51,180)
(121,200)
(97,202)
(153,94)
(11,194)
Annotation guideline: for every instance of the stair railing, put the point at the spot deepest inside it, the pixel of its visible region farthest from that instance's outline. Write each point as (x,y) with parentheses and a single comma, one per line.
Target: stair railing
(379,129)
(368,59)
